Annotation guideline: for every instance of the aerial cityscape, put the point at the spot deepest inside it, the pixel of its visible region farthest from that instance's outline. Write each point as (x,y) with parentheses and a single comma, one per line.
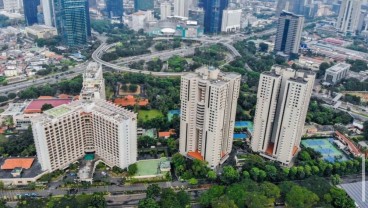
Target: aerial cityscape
(183,103)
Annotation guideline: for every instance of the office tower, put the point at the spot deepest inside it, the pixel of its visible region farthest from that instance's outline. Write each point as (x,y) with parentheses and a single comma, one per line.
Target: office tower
(72,21)
(65,133)
(30,11)
(140,19)
(231,20)
(93,83)
(165,10)
(213,15)
(289,32)
(181,8)
(143,5)
(347,21)
(282,104)
(208,107)
(47,11)
(286,5)
(1,4)
(114,8)
(14,6)
(197,14)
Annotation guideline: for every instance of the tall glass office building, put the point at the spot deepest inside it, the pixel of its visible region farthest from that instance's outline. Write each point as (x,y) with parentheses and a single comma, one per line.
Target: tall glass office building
(143,5)
(114,8)
(72,21)
(213,15)
(30,11)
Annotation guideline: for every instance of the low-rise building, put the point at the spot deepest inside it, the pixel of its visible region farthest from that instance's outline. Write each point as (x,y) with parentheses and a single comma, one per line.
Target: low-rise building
(336,73)
(40,31)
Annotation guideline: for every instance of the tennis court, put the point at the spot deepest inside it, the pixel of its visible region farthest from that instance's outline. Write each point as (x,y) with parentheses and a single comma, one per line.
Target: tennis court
(324,146)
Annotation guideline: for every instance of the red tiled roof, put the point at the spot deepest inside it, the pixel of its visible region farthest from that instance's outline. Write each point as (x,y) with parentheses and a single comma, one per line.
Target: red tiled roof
(64,96)
(36,105)
(164,134)
(130,100)
(12,163)
(195,155)
(353,149)
(45,97)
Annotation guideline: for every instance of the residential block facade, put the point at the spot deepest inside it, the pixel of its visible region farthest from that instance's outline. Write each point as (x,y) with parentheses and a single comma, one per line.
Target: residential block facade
(282,104)
(208,108)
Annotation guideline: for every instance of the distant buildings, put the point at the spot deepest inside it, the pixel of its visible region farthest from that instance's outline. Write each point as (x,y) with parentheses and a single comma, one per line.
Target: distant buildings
(14,6)
(30,11)
(208,107)
(140,19)
(231,20)
(165,10)
(181,8)
(197,14)
(114,9)
(289,32)
(336,73)
(282,100)
(47,10)
(40,31)
(143,5)
(72,21)
(93,83)
(213,15)
(348,19)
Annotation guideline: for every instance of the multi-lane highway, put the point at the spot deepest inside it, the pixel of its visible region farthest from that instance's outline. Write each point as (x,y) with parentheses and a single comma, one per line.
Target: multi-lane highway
(43,80)
(225,40)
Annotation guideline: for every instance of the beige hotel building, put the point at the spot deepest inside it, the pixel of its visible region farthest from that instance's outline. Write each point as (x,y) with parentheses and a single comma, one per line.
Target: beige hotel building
(208,108)
(282,104)
(91,125)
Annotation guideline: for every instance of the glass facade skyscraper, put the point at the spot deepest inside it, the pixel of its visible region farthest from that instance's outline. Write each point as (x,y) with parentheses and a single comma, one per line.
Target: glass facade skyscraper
(30,11)
(213,15)
(114,8)
(143,5)
(72,21)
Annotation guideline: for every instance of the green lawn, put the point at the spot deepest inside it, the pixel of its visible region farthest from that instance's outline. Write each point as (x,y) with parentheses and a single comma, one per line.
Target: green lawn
(2,110)
(147,167)
(3,139)
(146,115)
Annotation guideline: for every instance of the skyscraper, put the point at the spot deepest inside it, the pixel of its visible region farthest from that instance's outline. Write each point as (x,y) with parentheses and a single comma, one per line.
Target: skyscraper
(181,8)
(13,5)
(143,5)
(165,10)
(348,19)
(30,11)
(213,14)
(48,13)
(208,107)
(72,21)
(286,5)
(289,33)
(282,104)
(114,8)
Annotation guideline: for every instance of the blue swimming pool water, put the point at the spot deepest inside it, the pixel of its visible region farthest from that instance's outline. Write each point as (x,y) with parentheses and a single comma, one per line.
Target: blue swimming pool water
(240,136)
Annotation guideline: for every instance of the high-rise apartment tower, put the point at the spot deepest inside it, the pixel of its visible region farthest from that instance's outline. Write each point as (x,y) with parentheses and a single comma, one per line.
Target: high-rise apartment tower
(208,107)
(282,104)
(348,19)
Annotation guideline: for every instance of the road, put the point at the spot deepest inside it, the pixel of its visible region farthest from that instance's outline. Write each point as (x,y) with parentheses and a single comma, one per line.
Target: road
(225,40)
(43,80)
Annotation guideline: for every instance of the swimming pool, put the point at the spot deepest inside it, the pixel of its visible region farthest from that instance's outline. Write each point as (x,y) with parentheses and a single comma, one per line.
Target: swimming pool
(324,146)
(244,124)
(240,136)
